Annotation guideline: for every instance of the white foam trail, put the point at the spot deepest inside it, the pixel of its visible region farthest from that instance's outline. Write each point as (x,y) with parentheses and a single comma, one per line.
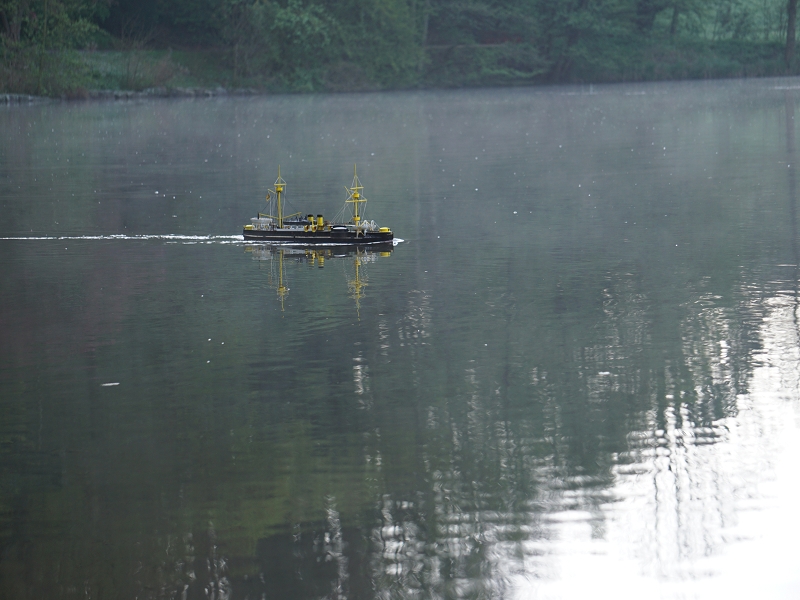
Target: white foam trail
(170,239)
(194,239)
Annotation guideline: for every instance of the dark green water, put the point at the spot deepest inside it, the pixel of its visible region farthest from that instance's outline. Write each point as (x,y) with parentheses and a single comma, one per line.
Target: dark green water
(577,376)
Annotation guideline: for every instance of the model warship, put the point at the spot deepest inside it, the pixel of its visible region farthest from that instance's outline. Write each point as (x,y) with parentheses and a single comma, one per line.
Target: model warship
(295,229)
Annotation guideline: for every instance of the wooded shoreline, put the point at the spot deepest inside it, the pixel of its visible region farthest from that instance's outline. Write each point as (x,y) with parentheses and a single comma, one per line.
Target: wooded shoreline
(98,48)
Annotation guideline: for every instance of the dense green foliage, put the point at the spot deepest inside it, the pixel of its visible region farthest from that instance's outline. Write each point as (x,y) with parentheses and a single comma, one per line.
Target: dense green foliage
(378,44)
(37,40)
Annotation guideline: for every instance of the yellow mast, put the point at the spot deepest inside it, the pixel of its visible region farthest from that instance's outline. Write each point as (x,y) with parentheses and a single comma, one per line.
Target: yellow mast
(280,189)
(355,197)
(280,184)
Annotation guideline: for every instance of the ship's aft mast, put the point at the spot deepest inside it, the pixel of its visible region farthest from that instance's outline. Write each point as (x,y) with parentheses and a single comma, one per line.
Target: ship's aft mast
(280,186)
(355,196)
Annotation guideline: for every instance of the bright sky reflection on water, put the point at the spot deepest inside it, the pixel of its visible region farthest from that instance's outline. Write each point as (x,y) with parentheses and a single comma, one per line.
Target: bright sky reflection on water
(695,520)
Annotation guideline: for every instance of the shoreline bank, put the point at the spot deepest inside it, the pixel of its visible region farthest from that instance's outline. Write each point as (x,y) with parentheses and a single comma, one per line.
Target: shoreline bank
(161,92)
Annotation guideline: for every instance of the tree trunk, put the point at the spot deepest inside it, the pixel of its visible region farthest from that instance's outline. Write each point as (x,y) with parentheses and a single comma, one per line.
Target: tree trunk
(43,50)
(791,13)
(236,64)
(425,20)
(673,25)
(13,17)
(563,64)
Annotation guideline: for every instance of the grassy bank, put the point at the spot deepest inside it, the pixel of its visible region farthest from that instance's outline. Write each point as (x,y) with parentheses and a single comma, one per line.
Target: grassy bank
(72,74)
(653,61)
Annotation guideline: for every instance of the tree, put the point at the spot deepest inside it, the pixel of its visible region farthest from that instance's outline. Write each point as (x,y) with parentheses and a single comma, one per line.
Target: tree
(791,13)
(36,38)
(646,12)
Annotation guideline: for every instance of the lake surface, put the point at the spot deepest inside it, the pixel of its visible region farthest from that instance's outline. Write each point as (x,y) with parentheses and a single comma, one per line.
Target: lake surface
(577,376)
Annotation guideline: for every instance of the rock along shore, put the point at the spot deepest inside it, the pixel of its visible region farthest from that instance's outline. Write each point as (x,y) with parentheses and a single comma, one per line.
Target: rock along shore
(159,92)
(22,99)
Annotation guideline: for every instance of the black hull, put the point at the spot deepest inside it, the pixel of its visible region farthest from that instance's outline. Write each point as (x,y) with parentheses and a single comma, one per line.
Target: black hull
(327,238)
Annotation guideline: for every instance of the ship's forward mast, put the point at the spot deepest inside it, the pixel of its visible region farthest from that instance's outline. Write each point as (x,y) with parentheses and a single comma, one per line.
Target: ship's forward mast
(275,204)
(355,196)
(280,188)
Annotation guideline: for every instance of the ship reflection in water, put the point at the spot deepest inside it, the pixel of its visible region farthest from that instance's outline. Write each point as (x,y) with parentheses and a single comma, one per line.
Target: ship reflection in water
(281,257)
